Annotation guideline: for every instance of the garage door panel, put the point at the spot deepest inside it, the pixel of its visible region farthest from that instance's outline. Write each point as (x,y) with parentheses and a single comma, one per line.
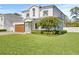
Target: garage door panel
(19,28)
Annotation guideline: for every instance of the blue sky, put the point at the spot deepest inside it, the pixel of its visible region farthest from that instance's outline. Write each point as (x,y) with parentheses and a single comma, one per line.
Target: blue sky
(17,8)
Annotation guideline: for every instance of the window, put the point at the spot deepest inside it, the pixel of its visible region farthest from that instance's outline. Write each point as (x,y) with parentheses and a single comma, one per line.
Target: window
(45,13)
(33,11)
(27,15)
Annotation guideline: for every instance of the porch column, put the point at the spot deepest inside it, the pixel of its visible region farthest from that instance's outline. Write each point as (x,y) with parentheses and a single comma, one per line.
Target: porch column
(28,26)
(39,27)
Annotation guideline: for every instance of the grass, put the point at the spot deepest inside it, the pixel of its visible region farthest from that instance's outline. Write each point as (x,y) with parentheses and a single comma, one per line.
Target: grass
(32,44)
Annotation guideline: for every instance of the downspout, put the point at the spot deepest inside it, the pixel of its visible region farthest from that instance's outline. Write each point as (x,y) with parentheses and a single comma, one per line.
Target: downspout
(53,10)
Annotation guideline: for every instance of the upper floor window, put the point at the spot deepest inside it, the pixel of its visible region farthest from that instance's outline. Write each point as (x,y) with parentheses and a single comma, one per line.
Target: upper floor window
(33,11)
(27,15)
(45,13)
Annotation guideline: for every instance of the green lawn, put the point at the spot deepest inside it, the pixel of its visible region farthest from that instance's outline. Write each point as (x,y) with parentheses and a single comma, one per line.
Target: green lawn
(39,44)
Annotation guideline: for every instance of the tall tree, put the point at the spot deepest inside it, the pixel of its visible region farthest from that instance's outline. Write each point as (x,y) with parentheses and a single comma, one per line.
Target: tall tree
(17,14)
(49,22)
(75,13)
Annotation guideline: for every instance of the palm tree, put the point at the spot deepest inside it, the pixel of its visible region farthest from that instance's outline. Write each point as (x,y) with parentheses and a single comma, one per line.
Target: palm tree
(75,13)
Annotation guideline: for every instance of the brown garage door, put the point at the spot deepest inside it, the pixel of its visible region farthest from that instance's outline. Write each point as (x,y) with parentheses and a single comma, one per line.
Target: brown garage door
(19,28)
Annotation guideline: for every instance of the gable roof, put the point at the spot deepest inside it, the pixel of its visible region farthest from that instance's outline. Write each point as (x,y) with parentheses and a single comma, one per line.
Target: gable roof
(29,8)
(43,7)
(11,16)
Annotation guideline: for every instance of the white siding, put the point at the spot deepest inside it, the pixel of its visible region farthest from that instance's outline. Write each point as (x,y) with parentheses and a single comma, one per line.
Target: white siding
(36,12)
(58,13)
(71,29)
(50,12)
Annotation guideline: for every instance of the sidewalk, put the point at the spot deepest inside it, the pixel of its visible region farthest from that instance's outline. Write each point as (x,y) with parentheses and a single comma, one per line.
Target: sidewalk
(8,33)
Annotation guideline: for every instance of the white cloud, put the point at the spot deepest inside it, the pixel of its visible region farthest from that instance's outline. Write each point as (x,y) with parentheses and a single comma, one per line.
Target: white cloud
(7,11)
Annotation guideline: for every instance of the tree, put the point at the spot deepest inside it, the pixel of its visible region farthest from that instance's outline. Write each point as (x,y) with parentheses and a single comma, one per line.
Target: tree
(49,22)
(17,14)
(75,13)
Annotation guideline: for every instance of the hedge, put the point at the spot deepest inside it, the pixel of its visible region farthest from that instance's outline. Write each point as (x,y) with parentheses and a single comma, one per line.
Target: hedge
(59,32)
(72,24)
(36,31)
(3,30)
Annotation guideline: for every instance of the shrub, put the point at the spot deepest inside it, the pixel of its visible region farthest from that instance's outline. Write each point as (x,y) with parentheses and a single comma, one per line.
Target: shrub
(72,24)
(43,31)
(64,31)
(39,31)
(59,32)
(36,31)
(56,31)
(3,30)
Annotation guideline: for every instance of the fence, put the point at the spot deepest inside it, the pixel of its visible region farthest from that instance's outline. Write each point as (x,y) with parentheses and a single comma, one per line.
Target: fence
(71,29)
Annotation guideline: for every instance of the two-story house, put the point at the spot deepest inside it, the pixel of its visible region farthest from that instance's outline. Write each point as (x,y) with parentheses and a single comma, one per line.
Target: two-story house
(36,12)
(33,15)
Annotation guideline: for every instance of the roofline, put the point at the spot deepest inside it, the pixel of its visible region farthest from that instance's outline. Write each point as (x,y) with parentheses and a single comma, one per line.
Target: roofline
(41,6)
(59,10)
(30,8)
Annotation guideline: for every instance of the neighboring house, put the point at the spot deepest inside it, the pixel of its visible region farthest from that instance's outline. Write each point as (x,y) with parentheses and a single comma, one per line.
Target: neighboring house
(7,20)
(36,12)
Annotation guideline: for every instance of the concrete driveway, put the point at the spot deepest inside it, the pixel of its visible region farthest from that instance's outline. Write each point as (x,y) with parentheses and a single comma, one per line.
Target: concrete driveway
(8,33)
